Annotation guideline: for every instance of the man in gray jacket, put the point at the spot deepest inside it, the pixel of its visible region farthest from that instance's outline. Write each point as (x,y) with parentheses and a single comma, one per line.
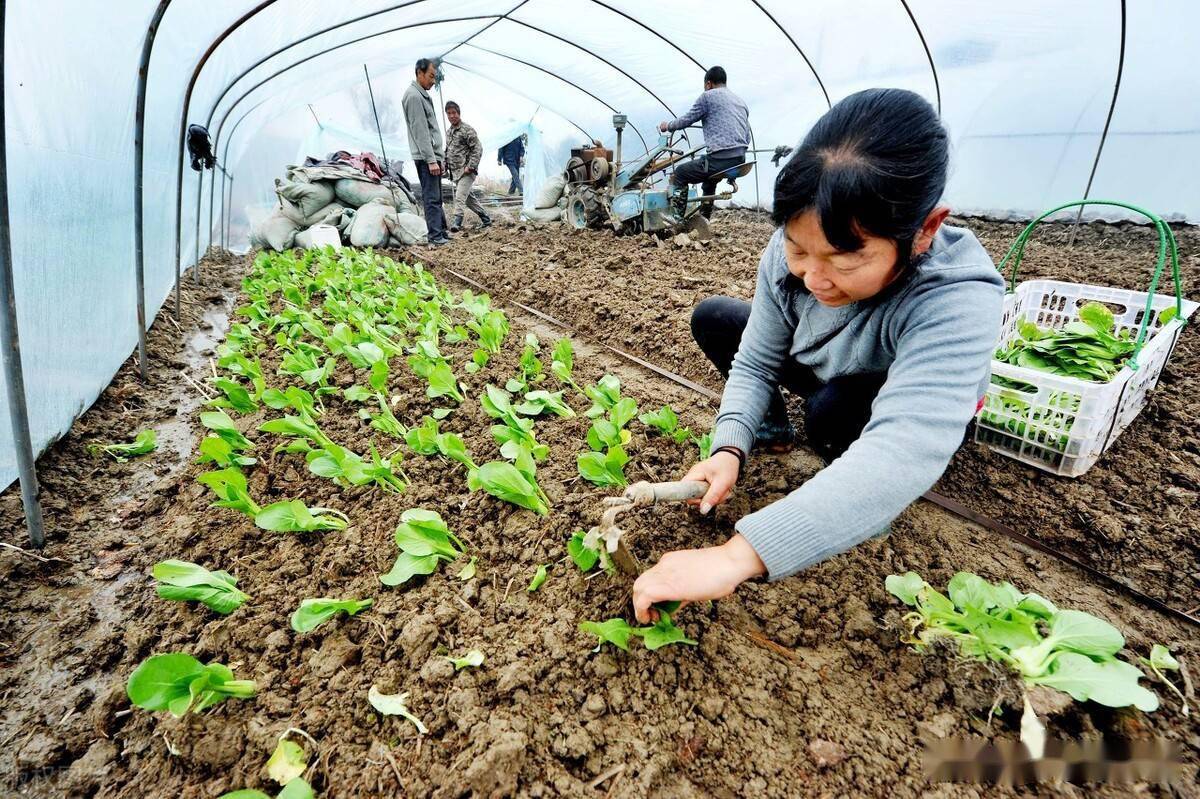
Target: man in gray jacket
(726,122)
(425,142)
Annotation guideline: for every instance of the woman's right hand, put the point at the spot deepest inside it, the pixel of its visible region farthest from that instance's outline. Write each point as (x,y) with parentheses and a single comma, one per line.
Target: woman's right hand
(720,472)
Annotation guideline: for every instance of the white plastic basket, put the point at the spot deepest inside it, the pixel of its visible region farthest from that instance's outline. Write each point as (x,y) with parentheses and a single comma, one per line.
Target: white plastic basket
(1062,425)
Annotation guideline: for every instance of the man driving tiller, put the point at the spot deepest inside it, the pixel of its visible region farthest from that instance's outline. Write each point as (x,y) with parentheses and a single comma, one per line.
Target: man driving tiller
(726,121)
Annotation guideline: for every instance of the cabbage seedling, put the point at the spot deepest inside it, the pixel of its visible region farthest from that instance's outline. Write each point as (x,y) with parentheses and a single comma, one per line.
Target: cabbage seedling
(424,541)
(705,443)
(143,443)
(491,328)
(296,789)
(394,705)
(451,445)
(312,612)
(181,581)
(539,402)
(613,631)
(563,363)
(666,421)
(230,487)
(1069,650)
(530,366)
(512,482)
(539,577)
(468,571)
(473,659)
(214,449)
(236,396)
(604,395)
(582,555)
(1161,660)
(663,631)
(423,440)
(293,516)
(179,683)
(604,468)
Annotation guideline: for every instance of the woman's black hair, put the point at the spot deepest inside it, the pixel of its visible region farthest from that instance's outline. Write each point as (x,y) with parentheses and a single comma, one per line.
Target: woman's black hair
(876,163)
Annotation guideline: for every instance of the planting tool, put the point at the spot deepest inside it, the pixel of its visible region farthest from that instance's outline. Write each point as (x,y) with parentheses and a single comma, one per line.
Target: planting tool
(638,495)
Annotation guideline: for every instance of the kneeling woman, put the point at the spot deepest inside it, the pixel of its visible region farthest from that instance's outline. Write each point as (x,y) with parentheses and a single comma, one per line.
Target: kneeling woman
(876,313)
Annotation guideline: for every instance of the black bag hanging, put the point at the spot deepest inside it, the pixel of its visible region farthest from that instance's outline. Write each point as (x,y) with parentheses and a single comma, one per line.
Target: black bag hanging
(200,148)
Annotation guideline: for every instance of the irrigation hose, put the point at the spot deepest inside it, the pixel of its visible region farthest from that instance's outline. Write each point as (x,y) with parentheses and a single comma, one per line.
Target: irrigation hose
(947,504)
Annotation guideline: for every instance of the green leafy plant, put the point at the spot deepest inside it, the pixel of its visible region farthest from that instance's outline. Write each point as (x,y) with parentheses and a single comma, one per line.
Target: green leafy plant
(539,577)
(538,402)
(1161,660)
(423,440)
(236,396)
(604,395)
(1069,650)
(467,572)
(1088,349)
(450,445)
(143,443)
(312,612)
(424,541)
(472,659)
(306,363)
(344,466)
(491,328)
(530,367)
(604,468)
(179,683)
(563,363)
(214,449)
(394,705)
(230,487)
(428,364)
(666,421)
(385,421)
(516,432)
(293,516)
(512,482)
(705,443)
(181,581)
(617,631)
(582,555)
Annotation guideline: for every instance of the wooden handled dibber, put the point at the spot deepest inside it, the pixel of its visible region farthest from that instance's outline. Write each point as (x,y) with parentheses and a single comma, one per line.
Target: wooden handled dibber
(638,495)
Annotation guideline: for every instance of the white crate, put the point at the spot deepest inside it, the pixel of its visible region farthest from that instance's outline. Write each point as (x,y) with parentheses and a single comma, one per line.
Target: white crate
(1062,424)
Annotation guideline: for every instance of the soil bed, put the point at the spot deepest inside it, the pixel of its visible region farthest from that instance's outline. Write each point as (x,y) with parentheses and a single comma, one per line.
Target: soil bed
(1133,515)
(798,688)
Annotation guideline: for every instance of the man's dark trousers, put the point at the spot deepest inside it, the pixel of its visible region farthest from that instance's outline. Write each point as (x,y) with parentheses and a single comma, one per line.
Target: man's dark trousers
(431,199)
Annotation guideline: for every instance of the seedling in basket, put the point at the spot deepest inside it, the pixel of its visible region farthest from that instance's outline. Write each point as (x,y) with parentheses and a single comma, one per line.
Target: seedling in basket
(143,443)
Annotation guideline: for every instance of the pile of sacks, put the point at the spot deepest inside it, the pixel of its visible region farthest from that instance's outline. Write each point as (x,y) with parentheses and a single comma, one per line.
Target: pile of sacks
(550,203)
(336,203)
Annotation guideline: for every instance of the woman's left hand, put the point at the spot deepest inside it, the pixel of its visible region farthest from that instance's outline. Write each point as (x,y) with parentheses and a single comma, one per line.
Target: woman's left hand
(695,575)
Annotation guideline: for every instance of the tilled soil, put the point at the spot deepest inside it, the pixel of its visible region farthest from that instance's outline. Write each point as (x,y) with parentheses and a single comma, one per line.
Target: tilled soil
(1133,515)
(797,688)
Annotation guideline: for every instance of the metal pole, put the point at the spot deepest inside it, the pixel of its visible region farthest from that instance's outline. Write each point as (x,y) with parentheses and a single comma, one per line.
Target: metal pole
(10,344)
(199,194)
(139,139)
(228,213)
(375,112)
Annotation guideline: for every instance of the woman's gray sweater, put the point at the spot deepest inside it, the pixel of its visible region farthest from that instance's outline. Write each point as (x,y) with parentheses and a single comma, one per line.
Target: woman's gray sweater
(933,334)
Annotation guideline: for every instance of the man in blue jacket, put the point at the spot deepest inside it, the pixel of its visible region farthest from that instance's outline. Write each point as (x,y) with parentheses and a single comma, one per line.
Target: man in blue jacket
(512,155)
(726,121)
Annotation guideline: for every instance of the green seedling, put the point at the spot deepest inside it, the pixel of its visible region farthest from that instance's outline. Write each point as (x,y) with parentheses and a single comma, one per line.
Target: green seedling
(424,541)
(450,445)
(236,396)
(181,581)
(298,399)
(539,577)
(230,487)
(297,427)
(296,789)
(287,762)
(491,328)
(1069,650)
(705,443)
(467,572)
(179,683)
(308,366)
(312,612)
(293,516)
(219,422)
(582,555)
(423,440)
(347,468)
(512,482)
(516,432)
(604,395)
(612,631)
(666,421)
(604,468)
(1088,349)
(1161,660)
(214,449)
(472,659)
(438,374)
(386,421)
(530,366)
(357,393)
(539,402)
(394,705)
(143,443)
(563,363)
(479,359)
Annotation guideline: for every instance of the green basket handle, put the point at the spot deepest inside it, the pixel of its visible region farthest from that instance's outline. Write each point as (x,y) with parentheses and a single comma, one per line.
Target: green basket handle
(1165,236)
